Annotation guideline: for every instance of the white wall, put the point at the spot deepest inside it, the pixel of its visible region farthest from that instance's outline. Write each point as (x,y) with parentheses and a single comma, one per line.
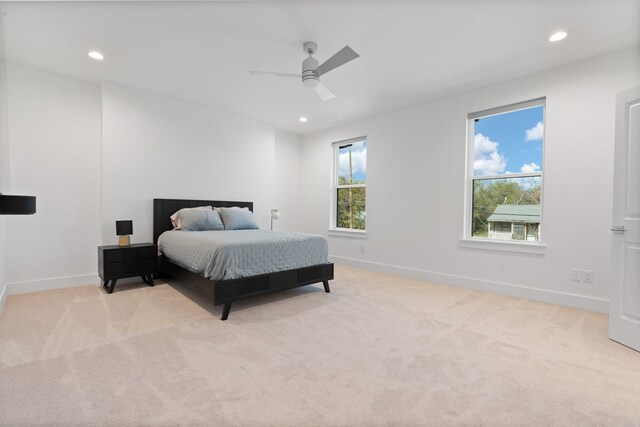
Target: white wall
(415,193)
(4,155)
(287,184)
(54,137)
(4,129)
(158,147)
(92,155)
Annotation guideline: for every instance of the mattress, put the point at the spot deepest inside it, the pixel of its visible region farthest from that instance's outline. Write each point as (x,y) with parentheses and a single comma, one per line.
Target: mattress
(232,254)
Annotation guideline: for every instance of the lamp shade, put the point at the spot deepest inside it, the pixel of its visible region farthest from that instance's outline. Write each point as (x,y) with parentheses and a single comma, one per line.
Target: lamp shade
(17,205)
(124,228)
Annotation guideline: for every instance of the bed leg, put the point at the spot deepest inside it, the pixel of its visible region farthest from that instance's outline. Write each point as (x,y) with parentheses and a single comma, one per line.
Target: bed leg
(326,286)
(226,310)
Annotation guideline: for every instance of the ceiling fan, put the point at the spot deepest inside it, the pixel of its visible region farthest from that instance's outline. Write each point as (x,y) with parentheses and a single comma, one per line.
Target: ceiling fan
(311,71)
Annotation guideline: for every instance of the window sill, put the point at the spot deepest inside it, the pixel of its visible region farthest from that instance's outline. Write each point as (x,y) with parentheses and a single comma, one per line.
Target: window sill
(357,234)
(503,246)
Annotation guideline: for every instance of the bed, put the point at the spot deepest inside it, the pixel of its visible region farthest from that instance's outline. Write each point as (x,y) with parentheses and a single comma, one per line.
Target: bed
(226,285)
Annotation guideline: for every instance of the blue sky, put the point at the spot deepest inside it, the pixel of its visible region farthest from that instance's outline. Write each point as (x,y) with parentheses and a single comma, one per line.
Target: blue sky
(509,142)
(358,161)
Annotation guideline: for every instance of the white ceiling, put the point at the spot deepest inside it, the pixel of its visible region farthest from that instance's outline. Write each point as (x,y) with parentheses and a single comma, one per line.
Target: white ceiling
(410,50)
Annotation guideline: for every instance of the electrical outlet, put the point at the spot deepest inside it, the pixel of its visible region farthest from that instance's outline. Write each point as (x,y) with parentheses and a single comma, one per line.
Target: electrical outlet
(361,249)
(575,274)
(587,276)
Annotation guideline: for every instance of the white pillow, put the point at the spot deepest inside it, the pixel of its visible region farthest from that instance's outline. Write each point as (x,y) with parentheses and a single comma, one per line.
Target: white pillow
(175,218)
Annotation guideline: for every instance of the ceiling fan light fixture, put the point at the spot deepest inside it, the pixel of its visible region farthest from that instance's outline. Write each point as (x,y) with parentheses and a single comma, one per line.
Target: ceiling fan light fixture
(310,81)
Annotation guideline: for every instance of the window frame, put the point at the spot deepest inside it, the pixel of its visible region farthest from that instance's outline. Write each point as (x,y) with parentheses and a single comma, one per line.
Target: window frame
(333,228)
(470,241)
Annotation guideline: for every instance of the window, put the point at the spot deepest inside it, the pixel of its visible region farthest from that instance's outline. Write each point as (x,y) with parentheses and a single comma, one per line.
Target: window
(350,185)
(504,172)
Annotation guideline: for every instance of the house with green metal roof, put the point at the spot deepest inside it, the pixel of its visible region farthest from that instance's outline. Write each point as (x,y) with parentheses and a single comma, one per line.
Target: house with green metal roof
(515,222)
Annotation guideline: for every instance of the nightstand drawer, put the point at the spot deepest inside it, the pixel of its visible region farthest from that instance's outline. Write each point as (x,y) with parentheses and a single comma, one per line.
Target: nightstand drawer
(113,269)
(146,252)
(113,255)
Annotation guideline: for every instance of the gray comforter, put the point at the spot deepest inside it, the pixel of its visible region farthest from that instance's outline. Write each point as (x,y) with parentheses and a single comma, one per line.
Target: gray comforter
(231,254)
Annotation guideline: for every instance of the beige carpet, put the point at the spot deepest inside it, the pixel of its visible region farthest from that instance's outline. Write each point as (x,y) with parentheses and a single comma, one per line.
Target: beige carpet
(378,350)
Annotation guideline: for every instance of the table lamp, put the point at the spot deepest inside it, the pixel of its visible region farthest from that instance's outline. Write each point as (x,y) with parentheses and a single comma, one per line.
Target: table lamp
(123,230)
(275,214)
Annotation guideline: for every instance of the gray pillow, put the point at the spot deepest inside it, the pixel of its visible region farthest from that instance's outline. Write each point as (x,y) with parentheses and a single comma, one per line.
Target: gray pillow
(237,219)
(175,221)
(200,220)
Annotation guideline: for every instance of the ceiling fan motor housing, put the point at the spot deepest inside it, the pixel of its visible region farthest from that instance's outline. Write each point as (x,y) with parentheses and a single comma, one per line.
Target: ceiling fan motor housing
(309,76)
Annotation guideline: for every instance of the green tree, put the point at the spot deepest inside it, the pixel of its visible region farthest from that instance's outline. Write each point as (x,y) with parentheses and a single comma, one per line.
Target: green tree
(487,194)
(351,205)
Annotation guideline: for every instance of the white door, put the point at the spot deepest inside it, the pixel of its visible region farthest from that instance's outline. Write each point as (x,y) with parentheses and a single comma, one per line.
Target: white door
(624,309)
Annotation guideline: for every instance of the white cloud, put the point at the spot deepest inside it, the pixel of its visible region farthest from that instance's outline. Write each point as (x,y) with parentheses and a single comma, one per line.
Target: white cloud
(486,159)
(535,133)
(358,162)
(530,167)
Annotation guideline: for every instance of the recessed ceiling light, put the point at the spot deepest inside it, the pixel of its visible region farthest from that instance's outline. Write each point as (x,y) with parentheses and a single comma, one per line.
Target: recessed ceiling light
(303,119)
(556,37)
(96,55)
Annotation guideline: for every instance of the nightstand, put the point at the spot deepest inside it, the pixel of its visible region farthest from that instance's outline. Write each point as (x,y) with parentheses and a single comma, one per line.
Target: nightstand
(117,262)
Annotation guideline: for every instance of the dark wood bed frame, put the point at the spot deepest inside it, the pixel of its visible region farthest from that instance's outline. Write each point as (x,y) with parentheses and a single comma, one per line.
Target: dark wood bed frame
(227,291)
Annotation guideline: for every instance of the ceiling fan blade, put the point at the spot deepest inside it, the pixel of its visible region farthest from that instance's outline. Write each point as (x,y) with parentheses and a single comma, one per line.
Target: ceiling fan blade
(324,92)
(271,74)
(343,56)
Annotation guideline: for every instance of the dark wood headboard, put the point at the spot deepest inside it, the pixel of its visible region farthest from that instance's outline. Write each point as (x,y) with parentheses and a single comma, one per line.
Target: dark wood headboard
(164,208)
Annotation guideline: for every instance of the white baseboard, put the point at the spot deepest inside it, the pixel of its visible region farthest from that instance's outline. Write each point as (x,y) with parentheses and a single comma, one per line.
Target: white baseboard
(519,291)
(51,283)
